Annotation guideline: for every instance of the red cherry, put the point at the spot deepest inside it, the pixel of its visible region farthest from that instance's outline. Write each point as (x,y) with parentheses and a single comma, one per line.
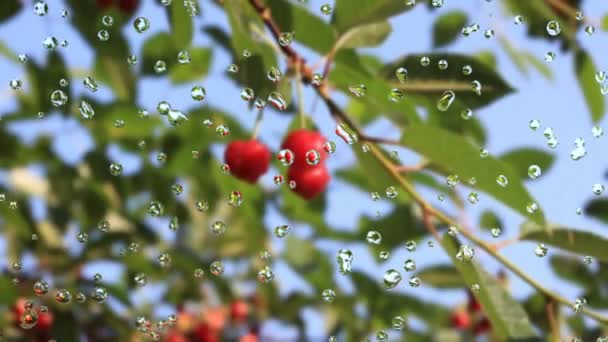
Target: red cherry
(128,6)
(300,142)
(249,338)
(45,321)
(460,319)
(204,333)
(175,336)
(482,326)
(248,160)
(474,305)
(239,310)
(310,182)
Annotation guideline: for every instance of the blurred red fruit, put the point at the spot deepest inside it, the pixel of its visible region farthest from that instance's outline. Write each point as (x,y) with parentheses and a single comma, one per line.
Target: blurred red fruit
(300,142)
(310,182)
(482,326)
(460,319)
(248,160)
(239,310)
(249,338)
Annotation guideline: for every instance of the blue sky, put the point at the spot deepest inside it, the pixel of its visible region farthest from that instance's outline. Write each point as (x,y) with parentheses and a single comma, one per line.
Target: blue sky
(558,103)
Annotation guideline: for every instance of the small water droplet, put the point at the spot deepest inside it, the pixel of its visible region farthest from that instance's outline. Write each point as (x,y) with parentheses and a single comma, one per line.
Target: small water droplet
(346,133)
(540,250)
(141,24)
(553,28)
(373,237)
(445,101)
(345,259)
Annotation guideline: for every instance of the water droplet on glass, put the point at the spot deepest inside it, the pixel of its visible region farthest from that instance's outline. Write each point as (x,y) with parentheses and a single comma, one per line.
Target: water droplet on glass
(265,275)
(141,24)
(391,192)
(218,228)
(414,281)
(155,208)
(286,38)
(425,61)
(518,19)
(465,253)
(282,231)
(346,133)
(313,157)
(409,265)
(531,208)
(473,198)
(160,66)
(590,30)
(391,279)
(50,43)
(373,237)
(328,295)
(216,268)
(476,87)
(553,28)
(395,95)
(233,68)
(41,8)
(550,56)
(58,98)
(579,304)
(467,70)
(445,101)
(345,259)
(286,157)
(235,198)
(495,232)
(274,74)
(107,20)
(277,101)
(247,94)
(502,180)
(597,131)
(442,64)
(410,245)
(326,9)
(103,35)
(358,90)
(401,74)
(598,189)
(540,250)
(466,114)
(183,57)
(63,296)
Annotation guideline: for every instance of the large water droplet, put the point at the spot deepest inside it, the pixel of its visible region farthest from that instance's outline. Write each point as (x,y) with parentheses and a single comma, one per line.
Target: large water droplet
(345,259)
(141,24)
(391,279)
(445,101)
(553,28)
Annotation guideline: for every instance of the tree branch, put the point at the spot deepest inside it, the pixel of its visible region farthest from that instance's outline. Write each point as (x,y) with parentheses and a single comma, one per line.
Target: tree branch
(340,116)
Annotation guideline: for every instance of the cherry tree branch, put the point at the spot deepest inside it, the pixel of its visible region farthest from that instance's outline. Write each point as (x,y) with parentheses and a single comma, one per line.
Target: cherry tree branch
(429,211)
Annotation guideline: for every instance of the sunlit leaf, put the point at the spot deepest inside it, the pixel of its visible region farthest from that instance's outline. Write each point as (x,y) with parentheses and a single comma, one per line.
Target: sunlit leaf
(585,73)
(447,27)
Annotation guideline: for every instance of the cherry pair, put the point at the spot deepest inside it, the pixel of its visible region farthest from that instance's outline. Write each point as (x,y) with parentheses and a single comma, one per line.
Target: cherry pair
(249,160)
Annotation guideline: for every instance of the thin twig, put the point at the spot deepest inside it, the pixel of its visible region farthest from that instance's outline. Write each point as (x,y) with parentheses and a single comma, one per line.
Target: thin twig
(295,59)
(551,317)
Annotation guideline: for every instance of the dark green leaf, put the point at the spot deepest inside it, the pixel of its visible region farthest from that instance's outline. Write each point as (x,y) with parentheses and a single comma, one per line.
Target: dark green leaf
(455,155)
(605,23)
(343,76)
(448,27)
(372,34)
(195,70)
(520,159)
(598,209)
(182,27)
(508,318)
(347,16)
(572,240)
(585,74)
(489,220)
(297,19)
(430,82)
(573,270)
(9,8)
(442,277)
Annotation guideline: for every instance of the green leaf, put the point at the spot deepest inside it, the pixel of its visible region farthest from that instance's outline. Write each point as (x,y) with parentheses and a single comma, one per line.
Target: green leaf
(195,70)
(9,8)
(346,15)
(252,70)
(344,76)
(44,81)
(585,74)
(456,155)
(182,26)
(508,318)
(598,209)
(309,262)
(489,220)
(297,19)
(442,277)
(158,47)
(520,159)
(111,67)
(365,35)
(572,240)
(540,66)
(605,23)
(447,27)
(7,52)
(573,270)
(429,83)
(516,56)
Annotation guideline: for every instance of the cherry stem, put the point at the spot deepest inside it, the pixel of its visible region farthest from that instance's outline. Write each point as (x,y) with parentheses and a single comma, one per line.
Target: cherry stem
(300,95)
(257,124)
